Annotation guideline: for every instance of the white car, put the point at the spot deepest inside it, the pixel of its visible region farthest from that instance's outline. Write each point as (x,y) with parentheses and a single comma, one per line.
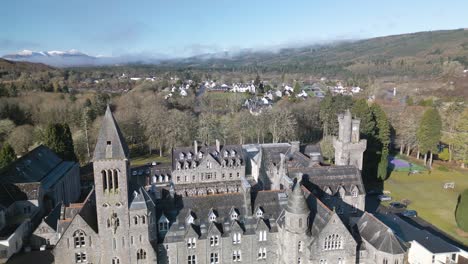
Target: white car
(384,197)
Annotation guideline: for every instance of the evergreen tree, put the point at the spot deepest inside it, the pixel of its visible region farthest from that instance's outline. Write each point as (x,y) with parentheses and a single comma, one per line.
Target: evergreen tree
(460,142)
(59,139)
(7,155)
(383,137)
(297,88)
(461,212)
(429,133)
(362,111)
(257,81)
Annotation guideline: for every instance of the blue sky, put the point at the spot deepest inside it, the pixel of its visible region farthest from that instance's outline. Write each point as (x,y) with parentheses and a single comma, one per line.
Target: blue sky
(182,28)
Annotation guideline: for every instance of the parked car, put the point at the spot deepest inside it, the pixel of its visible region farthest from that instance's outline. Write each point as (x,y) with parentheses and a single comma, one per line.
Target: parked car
(397,205)
(410,213)
(384,197)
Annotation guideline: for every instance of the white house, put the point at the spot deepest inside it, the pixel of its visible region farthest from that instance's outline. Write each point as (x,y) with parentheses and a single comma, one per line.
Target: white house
(302,94)
(243,88)
(356,89)
(278,93)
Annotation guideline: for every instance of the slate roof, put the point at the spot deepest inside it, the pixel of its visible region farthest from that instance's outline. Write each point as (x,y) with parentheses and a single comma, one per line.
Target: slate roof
(86,209)
(110,143)
(379,235)
(10,193)
(272,152)
(296,201)
(140,200)
(52,218)
(200,207)
(333,177)
(320,214)
(32,167)
(190,156)
(39,169)
(407,232)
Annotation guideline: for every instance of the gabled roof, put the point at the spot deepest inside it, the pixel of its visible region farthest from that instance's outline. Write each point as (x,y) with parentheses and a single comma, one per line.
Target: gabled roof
(333,177)
(32,167)
(408,233)
(110,144)
(379,235)
(140,200)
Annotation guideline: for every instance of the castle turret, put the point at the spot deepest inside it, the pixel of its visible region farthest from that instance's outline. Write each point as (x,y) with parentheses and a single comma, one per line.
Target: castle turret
(294,234)
(349,148)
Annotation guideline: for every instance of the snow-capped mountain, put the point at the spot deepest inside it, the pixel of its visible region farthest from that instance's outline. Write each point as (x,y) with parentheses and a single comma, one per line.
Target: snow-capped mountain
(76,58)
(54,58)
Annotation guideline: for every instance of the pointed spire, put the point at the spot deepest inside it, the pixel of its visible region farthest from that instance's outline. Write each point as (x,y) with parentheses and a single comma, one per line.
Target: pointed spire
(110,144)
(297,203)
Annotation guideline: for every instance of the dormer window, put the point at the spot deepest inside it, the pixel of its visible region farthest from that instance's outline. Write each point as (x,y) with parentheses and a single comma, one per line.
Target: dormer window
(200,155)
(190,219)
(259,213)
(226,153)
(189,155)
(181,156)
(234,216)
(212,217)
(354,193)
(163,223)
(233,153)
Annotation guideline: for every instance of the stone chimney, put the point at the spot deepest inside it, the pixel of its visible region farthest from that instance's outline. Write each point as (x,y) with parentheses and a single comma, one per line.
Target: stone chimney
(195,147)
(315,158)
(218,146)
(295,146)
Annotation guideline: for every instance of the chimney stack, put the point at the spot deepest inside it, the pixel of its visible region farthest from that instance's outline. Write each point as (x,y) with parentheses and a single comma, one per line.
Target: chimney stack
(195,147)
(218,146)
(295,146)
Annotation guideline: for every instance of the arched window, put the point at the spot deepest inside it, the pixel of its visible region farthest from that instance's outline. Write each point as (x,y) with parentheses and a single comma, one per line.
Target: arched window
(300,222)
(385,261)
(143,219)
(141,254)
(104,180)
(333,242)
(135,220)
(115,261)
(79,238)
(300,246)
(110,183)
(116,179)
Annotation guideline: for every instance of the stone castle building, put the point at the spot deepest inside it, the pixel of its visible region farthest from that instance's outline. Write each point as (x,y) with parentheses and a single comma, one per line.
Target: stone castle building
(266,203)
(349,148)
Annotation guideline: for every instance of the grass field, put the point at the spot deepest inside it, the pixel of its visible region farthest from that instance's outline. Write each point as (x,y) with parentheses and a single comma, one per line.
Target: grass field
(142,160)
(428,197)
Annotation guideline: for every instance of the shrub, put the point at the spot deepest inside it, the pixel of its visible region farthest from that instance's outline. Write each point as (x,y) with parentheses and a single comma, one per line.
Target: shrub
(461,213)
(444,154)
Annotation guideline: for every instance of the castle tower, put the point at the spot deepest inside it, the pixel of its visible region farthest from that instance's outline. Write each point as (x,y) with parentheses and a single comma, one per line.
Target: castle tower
(294,234)
(111,177)
(349,148)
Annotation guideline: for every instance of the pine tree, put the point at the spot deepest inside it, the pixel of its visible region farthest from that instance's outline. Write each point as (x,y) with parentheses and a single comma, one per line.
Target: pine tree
(59,139)
(7,155)
(297,88)
(383,137)
(362,111)
(429,133)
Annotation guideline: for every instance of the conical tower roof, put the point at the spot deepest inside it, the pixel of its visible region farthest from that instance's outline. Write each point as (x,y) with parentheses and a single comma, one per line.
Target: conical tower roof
(297,203)
(110,144)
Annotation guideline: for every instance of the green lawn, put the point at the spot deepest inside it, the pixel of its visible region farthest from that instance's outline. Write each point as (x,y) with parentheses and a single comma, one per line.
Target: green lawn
(428,197)
(142,160)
